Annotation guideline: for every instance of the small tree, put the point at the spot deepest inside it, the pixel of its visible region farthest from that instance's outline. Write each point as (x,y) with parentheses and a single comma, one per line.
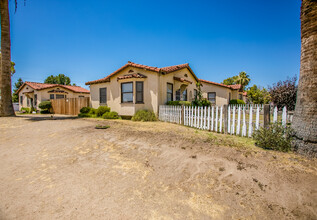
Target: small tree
(283,93)
(256,95)
(17,85)
(230,80)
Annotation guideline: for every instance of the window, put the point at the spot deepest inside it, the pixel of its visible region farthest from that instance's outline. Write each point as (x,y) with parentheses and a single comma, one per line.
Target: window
(58,96)
(81,96)
(127,92)
(240,96)
(185,95)
(35,99)
(178,95)
(195,93)
(21,99)
(169,92)
(102,95)
(139,92)
(212,97)
(51,96)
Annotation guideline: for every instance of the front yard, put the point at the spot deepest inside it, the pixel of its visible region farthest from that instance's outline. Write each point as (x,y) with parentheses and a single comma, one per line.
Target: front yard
(64,168)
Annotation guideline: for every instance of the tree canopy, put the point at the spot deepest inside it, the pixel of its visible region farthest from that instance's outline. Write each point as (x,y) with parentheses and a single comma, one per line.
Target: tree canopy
(242,78)
(230,80)
(258,95)
(283,93)
(59,79)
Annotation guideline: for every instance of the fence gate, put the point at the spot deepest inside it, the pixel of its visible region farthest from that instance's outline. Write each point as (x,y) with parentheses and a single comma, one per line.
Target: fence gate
(69,106)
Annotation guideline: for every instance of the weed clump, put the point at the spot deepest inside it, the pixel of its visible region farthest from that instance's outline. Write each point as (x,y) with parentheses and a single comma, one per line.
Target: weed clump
(274,137)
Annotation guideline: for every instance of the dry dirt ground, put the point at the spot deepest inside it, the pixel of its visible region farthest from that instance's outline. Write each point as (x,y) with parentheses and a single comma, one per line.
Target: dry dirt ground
(64,168)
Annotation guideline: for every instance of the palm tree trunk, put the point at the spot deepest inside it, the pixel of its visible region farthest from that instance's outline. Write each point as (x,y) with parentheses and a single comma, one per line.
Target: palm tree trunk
(305,117)
(6,107)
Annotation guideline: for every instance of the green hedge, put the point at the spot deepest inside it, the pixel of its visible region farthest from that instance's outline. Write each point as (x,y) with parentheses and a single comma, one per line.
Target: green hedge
(237,101)
(201,103)
(102,110)
(85,110)
(144,115)
(45,105)
(186,103)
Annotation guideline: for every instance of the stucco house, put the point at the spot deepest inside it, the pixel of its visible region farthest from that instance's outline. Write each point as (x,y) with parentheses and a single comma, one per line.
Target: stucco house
(33,93)
(220,94)
(136,86)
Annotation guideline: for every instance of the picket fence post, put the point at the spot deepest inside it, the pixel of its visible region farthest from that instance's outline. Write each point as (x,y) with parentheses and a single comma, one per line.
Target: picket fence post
(250,120)
(284,116)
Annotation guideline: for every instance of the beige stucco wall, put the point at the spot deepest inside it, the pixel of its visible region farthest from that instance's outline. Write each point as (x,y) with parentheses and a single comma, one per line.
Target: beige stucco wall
(236,93)
(222,93)
(43,95)
(155,90)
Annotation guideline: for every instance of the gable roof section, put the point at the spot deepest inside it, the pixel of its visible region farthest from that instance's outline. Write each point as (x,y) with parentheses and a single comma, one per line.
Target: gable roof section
(163,70)
(41,86)
(234,87)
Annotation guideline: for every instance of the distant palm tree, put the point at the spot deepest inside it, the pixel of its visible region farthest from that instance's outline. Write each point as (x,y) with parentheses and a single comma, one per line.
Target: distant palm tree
(305,117)
(6,107)
(243,79)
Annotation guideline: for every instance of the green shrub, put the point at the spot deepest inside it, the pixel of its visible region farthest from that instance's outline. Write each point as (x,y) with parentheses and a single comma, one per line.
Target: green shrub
(202,102)
(274,137)
(45,105)
(144,115)
(45,111)
(172,103)
(237,101)
(93,111)
(85,110)
(186,103)
(102,110)
(110,115)
(25,110)
(84,115)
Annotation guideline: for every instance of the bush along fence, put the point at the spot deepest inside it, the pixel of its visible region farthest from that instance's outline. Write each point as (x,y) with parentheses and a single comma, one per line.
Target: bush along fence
(239,120)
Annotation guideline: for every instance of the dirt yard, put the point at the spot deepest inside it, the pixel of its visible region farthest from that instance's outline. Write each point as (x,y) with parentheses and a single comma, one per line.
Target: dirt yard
(64,168)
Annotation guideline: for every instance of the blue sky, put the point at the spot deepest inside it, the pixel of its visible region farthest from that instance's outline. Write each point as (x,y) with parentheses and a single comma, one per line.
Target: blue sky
(88,40)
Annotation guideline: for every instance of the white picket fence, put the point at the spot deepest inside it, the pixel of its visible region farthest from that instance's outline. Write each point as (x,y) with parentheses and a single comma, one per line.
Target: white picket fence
(242,119)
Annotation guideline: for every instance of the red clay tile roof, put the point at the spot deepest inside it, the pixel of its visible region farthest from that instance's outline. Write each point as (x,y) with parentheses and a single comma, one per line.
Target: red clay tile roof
(182,79)
(234,87)
(218,84)
(237,86)
(163,70)
(133,75)
(40,86)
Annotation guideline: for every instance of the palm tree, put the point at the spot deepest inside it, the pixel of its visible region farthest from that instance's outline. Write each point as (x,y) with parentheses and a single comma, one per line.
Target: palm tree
(6,108)
(305,117)
(243,79)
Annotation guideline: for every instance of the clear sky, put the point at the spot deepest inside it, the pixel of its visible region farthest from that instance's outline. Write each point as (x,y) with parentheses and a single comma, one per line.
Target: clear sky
(88,40)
